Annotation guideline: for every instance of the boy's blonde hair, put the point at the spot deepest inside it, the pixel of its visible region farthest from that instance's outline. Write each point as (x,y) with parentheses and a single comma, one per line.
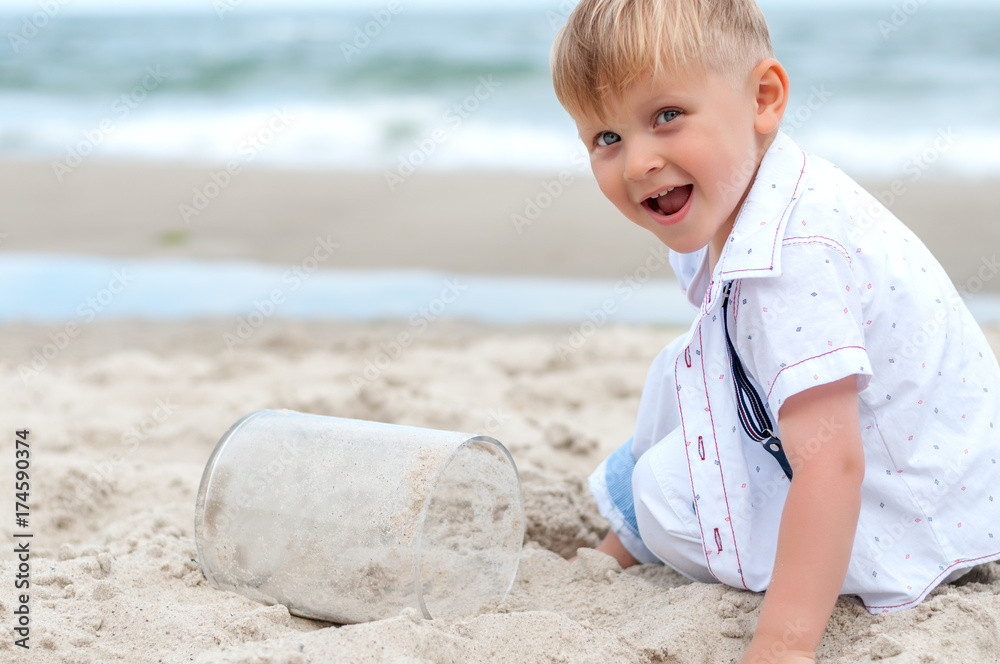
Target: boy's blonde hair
(608,44)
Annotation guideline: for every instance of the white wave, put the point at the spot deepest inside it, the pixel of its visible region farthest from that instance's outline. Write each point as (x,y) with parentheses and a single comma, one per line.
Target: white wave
(388,134)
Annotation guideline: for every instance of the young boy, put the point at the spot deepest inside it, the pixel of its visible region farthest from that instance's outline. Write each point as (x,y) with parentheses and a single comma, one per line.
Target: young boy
(830,346)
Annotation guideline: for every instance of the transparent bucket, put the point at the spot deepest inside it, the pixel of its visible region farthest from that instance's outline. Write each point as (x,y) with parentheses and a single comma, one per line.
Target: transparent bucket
(350,521)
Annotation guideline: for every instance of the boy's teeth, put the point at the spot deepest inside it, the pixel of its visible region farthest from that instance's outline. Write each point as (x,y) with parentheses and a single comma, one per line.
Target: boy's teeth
(663,192)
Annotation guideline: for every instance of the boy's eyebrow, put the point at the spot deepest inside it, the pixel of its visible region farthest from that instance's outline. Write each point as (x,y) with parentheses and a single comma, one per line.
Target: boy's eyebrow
(674,97)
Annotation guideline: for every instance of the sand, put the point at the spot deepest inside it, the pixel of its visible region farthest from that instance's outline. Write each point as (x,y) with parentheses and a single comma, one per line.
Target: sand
(469,223)
(123,421)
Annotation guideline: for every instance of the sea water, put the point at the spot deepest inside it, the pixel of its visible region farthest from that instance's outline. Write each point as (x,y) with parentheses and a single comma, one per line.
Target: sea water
(367,84)
(446,86)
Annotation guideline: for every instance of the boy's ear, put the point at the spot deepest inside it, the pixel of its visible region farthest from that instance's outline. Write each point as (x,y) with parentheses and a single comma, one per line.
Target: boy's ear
(770,81)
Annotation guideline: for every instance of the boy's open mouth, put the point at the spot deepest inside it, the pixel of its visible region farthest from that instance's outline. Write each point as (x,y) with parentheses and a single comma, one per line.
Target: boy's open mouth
(671,202)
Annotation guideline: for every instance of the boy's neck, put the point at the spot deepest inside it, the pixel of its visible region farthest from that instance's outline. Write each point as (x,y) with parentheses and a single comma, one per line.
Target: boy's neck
(718,243)
(713,257)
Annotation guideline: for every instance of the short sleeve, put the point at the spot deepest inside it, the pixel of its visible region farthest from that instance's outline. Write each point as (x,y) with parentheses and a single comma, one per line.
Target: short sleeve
(805,327)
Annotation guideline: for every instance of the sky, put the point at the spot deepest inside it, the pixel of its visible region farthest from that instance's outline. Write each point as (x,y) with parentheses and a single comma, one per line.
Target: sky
(28,6)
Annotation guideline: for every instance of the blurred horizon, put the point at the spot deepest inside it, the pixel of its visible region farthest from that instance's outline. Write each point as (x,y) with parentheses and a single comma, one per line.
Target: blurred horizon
(868,94)
(883,93)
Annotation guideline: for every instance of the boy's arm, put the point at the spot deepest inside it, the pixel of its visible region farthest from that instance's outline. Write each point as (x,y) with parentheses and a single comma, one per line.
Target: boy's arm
(821,434)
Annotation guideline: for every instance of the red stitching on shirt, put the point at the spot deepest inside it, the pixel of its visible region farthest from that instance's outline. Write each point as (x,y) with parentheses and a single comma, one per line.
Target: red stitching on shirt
(715,437)
(777,228)
(932,583)
(815,239)
(738,287)
(788,207)
(768,397)
(687,455)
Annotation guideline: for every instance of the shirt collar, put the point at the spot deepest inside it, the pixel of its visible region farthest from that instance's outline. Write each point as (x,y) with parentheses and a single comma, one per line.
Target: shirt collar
(753,248)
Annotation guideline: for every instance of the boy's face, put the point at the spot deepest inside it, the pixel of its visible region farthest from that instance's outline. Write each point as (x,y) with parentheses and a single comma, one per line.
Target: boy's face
(689,141)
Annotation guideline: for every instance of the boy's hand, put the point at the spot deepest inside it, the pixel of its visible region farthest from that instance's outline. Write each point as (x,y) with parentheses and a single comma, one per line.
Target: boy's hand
(775,653)
(822,434)
(787,658)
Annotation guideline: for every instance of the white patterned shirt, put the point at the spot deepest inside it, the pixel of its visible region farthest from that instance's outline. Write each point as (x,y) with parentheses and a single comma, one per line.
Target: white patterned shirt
(828,284)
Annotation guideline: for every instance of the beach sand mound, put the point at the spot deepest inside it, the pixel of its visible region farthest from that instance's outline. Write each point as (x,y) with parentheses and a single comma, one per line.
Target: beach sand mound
(123,420)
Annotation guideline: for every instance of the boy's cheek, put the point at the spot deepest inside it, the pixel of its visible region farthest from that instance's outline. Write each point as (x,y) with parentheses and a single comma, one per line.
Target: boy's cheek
(606,188)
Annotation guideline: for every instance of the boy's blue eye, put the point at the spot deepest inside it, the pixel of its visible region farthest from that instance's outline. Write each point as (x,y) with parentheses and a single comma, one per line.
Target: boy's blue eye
(607,138)
(667,116)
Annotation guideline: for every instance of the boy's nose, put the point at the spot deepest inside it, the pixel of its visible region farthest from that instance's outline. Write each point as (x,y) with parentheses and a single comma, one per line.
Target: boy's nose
(641,160)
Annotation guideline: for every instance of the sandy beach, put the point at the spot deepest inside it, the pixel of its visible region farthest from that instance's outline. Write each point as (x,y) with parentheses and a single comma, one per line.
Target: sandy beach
(124,418)
(554,225)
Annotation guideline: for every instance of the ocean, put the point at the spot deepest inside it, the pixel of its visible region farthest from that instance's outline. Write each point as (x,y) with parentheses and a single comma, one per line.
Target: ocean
(392,86)
(399,84)
(74,291)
